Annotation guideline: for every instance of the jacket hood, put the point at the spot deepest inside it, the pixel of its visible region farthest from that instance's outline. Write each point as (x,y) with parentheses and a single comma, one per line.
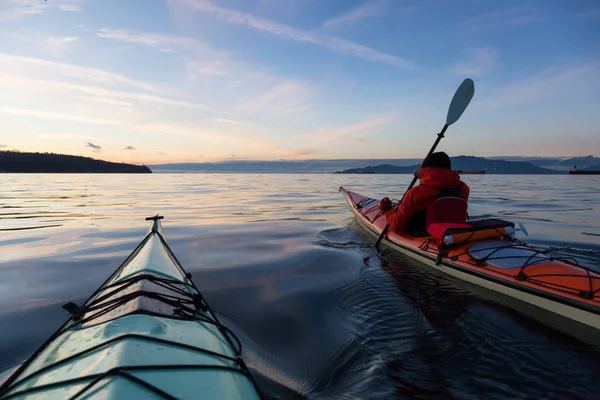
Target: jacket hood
(439,178)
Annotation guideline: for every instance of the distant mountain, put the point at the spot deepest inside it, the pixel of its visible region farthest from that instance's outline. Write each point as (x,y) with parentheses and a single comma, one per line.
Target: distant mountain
(545,162)
(329,166)
(593,168)
(528,158)
(15,161)
(587,161)
(465,163)
(278,167)
(379,169)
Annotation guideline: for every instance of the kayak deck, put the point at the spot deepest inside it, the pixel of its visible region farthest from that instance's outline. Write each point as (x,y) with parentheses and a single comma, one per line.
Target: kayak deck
(502,264)
(146,332)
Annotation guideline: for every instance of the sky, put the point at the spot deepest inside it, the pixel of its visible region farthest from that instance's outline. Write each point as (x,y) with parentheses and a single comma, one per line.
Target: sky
(158,81)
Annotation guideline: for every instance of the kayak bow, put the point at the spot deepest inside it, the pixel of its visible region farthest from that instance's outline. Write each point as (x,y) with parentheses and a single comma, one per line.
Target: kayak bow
(489,256)
(147,332)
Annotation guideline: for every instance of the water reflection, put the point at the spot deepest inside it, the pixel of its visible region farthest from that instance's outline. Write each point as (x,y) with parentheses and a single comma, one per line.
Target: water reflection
(282,262)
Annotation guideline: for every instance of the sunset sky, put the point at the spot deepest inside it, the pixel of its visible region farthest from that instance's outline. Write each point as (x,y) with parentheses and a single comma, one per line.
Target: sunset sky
(158,81)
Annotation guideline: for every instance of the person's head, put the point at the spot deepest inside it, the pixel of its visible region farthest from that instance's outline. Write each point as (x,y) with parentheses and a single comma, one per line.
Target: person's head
(437,160)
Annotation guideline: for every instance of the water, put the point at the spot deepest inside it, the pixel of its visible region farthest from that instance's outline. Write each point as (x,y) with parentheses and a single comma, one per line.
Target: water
(281,261)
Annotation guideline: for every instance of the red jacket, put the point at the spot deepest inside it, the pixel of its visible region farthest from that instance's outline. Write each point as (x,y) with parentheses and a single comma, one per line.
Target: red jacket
(420,197)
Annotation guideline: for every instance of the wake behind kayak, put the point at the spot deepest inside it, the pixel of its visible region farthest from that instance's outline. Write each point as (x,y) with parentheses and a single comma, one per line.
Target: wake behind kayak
(488,255)
(147,332)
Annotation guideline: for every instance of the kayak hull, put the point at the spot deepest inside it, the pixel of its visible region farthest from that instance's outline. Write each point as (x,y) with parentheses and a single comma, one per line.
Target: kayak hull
(146,332)
(583,316)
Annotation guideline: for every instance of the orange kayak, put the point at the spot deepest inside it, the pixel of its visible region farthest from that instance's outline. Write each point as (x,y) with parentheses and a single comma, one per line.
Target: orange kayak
(486,253)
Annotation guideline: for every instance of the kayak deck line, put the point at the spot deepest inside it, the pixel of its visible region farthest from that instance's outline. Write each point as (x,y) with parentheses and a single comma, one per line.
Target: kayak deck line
(131,308)
(558,285)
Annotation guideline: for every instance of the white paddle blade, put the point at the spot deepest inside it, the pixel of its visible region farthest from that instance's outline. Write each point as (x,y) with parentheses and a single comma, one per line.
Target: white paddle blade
(460,101)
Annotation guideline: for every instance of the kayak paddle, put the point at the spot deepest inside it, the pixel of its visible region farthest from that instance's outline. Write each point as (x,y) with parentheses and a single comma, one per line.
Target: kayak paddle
(459,103)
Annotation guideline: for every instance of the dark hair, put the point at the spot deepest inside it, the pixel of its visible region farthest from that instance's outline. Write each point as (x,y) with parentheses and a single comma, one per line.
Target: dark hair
(437,160)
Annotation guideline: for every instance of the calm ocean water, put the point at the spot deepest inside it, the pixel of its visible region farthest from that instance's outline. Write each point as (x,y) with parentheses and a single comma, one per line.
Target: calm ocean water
(280,259)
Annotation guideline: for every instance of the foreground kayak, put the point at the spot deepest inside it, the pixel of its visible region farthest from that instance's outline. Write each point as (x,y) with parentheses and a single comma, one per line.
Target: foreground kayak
(145,333)
(486,254)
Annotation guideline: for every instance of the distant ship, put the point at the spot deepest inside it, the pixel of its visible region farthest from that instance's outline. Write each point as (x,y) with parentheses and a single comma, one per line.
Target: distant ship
(581,171)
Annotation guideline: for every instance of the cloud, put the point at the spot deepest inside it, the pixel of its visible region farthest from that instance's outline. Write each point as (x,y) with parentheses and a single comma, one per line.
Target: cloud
(70,71)
(288,32)
(347,131)
(36,113)
(154,40)
(58,45)
(95,93)
(516,16)
(165,128)
(69,7)
(3,146)
(213,68)
(206,60)
(129,148)
(287,97)
(266,145)
(590,14)
(64,136)
(557,82)
(232,122)
(478,62)
(16,9)
(95,148)
(369,9)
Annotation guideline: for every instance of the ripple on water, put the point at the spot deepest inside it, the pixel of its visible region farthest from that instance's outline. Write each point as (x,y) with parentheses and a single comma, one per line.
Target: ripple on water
(315,320)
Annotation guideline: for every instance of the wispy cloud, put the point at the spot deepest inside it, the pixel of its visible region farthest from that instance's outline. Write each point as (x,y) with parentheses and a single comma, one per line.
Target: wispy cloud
(369,9)
(165,127)
(64,136)
(37,113)
(285,98)
(214,68)
(58,45)
(590,14)
(232,122)
(129,148)
(73,7)
(288,153)
(346,132)
(95,148)
(478,62)
(206,61)
(515,16)
(42,67)
(3,146)
(557,82)
(94,93)
(288,32)
(155,40)
(16,9)
(52,45)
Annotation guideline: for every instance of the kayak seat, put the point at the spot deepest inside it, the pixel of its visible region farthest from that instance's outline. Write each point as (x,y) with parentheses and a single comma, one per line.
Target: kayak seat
(449,234)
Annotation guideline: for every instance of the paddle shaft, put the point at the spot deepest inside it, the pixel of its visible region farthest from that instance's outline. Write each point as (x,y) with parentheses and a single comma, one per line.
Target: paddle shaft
(437,141)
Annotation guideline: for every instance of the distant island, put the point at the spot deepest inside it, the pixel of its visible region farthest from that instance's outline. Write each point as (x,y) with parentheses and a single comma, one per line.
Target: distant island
(467,164)
(463,163)
(593,168)
(19,162)
(588,162)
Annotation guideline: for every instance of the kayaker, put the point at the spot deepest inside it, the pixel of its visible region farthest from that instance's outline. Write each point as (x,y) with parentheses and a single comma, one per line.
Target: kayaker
(440,197)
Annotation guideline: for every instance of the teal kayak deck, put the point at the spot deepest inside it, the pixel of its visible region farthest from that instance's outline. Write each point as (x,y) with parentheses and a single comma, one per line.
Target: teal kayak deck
(145,333)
